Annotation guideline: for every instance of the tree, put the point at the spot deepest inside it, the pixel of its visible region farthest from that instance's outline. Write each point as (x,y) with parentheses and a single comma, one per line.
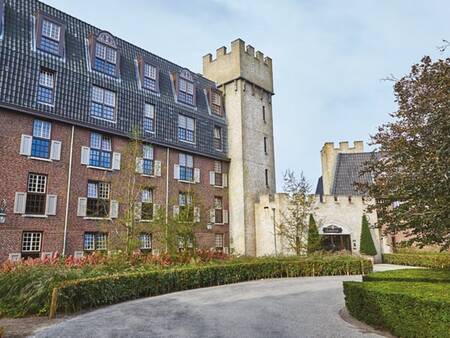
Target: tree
(314,240)
(293,227)
(412,178)
(367,246)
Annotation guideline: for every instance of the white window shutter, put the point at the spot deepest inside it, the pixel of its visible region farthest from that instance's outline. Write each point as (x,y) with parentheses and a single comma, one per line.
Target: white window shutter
(176,172)
(138,211)
(176,211)
(225,217)
(212,216)
(212,178)
(139,165)
(224,180)
(196,214)
(158,168)
(156,208)
(116,161)
(114,212)
(50,208)
(20,202)
(55,151)
(25,145)
(196,175)
(82,205)
(85,154)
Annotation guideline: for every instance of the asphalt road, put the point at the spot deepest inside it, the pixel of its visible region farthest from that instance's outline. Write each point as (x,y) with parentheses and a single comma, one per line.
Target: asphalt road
(293,307)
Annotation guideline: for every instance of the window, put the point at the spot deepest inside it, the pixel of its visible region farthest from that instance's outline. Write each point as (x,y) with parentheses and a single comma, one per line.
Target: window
(50,36)
(31,244)
(98,199)
(147,165)
(95,241)
(40,146)
(186,167)
(186,129)
(218,138)
(218,212)
(184,242)
(147,205)
(37,186)
(265,145)
(264,113)
(100,153)
(103,103)
(149,118)
(218,173)
(2,18)
(267,177)
(105,60)
(185,205)
(186,91)
(145,241)
(216,103)
(218,242)
(150,77)
(46,86)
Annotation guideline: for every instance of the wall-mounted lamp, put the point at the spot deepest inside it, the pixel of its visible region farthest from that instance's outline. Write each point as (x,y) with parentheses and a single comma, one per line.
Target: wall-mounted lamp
(3,211)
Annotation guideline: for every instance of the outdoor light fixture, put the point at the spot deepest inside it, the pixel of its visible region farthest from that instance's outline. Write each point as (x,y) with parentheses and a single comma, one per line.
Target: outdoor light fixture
(2,218)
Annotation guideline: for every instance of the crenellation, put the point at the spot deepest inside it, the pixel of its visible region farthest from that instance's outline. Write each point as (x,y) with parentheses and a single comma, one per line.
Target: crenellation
(250,50)
(221,51)
(260,56)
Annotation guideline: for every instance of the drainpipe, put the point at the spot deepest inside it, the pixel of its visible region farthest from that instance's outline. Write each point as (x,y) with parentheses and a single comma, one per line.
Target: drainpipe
(167,192)
(69,180)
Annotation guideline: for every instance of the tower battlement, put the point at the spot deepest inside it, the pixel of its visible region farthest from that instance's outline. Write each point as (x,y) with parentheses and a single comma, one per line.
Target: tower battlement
(241,62)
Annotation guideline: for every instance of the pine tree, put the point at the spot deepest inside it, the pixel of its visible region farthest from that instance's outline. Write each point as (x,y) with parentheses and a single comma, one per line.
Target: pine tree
(367,245)
(314,240)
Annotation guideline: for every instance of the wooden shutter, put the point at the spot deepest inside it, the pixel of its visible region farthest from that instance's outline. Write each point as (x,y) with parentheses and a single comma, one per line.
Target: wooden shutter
(51,205)
(224,180)
(20,202)
(116,161)
(55,151)
(85,154)
(176,211)
(196,175)
(158,168)
(196,214)
(225,217)
(114,213)
(156,208)
(138,210)
(25,145)
(212,178)
(212,216)
(82,206)
(139,165)
(176,172)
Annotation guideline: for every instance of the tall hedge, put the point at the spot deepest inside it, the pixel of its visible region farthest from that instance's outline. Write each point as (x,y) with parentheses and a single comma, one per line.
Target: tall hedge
(314,240)
(367,246)
(428,260)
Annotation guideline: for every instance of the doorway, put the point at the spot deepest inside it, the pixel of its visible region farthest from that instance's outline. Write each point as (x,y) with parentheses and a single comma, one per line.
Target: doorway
(336,243)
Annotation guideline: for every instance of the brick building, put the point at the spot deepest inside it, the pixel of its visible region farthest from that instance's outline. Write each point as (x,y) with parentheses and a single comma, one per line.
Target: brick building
(71,97)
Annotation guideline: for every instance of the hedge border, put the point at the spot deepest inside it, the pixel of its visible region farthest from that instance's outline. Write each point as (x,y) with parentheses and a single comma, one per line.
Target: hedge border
(107,290)
(404,315)
(429,260)
(399,276)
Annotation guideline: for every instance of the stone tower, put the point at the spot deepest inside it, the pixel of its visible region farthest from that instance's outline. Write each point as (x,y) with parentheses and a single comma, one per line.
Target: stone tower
(246,80)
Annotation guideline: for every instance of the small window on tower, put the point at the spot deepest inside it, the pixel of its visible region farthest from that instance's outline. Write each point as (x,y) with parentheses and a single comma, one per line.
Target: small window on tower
(264,113)
(267,177)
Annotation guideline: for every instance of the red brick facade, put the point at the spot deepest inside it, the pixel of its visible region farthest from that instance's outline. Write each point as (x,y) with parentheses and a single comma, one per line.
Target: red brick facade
(14,170)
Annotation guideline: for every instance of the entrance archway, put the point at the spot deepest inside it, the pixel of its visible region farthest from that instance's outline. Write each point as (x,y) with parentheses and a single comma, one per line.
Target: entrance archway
(335,238)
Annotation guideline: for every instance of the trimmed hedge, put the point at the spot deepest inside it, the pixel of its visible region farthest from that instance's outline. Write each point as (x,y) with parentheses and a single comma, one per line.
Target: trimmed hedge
(410,275)
(429,260)
(405,309)
(76,295)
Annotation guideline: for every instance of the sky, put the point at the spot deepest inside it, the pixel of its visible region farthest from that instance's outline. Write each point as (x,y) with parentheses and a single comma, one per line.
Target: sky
(329,57)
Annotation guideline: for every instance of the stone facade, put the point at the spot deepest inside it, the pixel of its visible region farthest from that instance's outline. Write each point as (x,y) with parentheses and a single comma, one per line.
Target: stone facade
(246,80)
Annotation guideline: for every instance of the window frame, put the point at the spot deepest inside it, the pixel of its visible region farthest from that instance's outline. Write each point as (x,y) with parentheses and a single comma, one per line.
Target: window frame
(45,87)
(218,173)
(218,210)
(142,62)
(31,253)
(101,152)
(218,142)
(148,159)
(2,19)
(149,118)
(219,108)
(183,94)
(36,201)
(95,240)
(106,39)
(186,165)
(41,140)
(145,245)
(103,104)
(221,241)
(40,18)
(93,204)
(184,129)
(149,203)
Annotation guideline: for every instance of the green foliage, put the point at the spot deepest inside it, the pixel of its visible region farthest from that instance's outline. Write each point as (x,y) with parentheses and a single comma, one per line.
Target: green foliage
(367,245)
(428,260)
(405,309)
(27,291)
(410,275)
(314,240)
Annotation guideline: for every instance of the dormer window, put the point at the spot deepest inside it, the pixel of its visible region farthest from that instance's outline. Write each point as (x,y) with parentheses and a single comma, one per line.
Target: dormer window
(104,56)
(50,35)
(215,102)
(149,75)
(185,88)
(103,103)
(2,18)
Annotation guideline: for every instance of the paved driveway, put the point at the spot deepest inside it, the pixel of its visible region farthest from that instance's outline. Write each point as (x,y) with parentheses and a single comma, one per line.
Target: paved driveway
(293,307)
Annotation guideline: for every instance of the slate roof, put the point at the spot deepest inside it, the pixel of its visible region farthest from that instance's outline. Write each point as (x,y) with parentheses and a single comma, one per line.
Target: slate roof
(20,64)
(319,187)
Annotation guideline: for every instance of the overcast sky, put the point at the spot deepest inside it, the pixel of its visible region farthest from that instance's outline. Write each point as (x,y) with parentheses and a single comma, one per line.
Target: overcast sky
(328,56)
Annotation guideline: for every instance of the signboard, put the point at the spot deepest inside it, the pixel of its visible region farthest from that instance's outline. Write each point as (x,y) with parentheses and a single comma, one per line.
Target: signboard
(332,229)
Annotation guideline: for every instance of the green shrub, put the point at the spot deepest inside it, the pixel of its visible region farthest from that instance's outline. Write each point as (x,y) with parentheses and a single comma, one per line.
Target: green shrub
(314,239)
(429,260)
(367,246)
(410,275)
(90,293)
(405,309)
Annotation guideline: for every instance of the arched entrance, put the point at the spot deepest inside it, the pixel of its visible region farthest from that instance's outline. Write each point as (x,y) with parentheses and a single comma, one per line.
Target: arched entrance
(335,238)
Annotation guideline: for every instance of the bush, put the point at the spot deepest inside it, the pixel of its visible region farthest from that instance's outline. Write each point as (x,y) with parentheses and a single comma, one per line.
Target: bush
(429,260)
(406,309)
(367,246)
(314,239)
(75,295)
(410,275)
